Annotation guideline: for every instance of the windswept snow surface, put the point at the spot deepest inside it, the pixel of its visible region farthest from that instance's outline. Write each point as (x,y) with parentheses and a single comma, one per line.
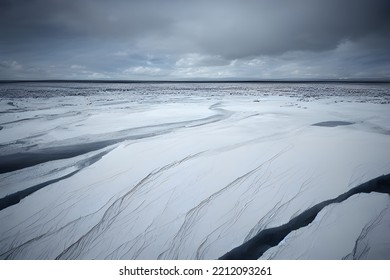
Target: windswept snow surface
(191,171)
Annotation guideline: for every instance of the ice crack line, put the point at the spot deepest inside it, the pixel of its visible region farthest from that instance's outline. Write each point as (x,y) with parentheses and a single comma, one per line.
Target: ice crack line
(112,212)
(16,197)
(255,247)
(20,160)
(198,211)
(361,247)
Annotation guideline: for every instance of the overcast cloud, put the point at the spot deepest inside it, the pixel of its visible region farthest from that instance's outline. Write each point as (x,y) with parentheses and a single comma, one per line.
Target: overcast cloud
(176,39)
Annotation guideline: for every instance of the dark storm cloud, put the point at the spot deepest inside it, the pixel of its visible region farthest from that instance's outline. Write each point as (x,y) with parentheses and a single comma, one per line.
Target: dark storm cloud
(25,20)
(274,27)
(185,33)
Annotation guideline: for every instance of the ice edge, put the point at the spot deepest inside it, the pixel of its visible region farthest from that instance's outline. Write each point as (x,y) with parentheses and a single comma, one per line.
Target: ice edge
(255,247)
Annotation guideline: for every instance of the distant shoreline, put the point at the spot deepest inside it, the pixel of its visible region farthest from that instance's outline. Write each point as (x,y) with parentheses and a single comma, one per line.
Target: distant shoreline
(363,81)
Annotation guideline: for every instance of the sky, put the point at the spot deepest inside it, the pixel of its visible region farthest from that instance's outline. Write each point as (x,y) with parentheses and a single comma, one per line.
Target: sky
(194,39)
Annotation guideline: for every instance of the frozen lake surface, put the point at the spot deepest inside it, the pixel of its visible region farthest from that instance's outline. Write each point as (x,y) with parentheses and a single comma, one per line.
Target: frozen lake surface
(194,170)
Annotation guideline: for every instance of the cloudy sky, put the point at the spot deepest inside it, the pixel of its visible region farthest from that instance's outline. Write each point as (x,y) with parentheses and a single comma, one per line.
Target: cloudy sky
(194,39)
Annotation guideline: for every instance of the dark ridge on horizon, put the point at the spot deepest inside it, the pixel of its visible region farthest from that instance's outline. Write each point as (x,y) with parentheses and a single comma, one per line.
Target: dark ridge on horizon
(346,81)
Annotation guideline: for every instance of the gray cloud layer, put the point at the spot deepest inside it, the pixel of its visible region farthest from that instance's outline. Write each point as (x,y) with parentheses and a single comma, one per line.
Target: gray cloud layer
(194,39)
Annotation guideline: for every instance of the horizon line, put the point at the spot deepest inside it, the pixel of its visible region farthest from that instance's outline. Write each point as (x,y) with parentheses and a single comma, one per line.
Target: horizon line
(363,80)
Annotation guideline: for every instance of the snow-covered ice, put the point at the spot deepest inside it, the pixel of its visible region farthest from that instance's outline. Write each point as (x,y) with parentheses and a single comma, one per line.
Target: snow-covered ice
(191,171)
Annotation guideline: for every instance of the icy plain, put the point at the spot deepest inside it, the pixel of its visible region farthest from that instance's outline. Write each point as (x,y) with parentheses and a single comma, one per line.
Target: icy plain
(191,171)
